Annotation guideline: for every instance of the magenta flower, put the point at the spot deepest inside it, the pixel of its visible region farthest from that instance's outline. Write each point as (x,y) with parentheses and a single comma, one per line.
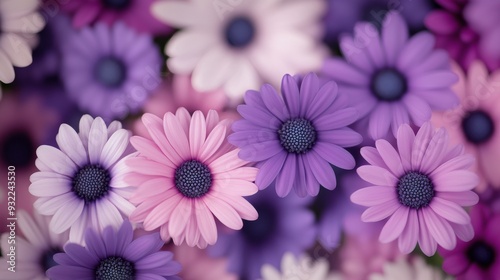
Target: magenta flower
(134,13)
(420,187)
(390,78)
(295,137)
(117,255)
(80,184)
(187,172)
(480,257)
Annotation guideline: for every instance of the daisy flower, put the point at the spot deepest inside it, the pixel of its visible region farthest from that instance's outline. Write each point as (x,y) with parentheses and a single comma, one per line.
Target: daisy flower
(115,254)
(480,257)
(186,173)
(80,184)
(284,225)
(293,268)
(134,13)
(343,15)
(105,75)
(392,79)
(197,265)
(19,22)
(415,269)
(237,45)
(294,138)
(35,249)
(420,187)
(476,122)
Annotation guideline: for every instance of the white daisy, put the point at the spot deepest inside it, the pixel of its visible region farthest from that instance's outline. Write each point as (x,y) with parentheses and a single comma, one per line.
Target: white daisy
(19,21)
(302,268)
(416,269)
(236,45)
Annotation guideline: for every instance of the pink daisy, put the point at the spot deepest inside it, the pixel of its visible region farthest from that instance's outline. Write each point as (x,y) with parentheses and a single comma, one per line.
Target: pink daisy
(80,184)
(420,187)
(476,122)
(187,172)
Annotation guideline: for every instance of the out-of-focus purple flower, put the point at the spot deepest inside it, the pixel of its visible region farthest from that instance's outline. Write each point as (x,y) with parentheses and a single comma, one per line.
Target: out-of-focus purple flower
(480,257)
(134,13)
(391,78)
(110,71)
(115,254)
(284,225)
(295,137)
(342,15)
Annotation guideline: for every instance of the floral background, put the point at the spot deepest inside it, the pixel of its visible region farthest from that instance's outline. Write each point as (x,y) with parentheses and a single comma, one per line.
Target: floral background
(249,139)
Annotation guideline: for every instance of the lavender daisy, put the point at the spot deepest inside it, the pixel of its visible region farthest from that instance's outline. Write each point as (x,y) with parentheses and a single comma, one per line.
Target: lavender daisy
(110,71)
(284,225)
(115,255)
(295,138)
(80,184)
(392,79)
(421,188)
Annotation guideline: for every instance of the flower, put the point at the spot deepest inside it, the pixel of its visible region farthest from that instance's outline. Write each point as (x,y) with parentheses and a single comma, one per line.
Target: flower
(197,265)
(481,17)
(284,225)
(362,255)
(473,123)
(24,125)
(392,79)
(134,13)
(416,269)
(478,258)
(420,188)
(80,184)
(342,16)
(294,138)
(106,76)
(35,250)
(19,24)
(187,172)
(115,255)
(293,268)
(238,46)
(178,92)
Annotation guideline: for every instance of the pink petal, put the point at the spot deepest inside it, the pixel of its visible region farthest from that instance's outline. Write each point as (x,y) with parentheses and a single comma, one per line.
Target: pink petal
(213,142)
(395,225)
(390,157)
(440,229)
(380,212)
(434,153)
(467,198)
(455,181)
(405,139)
(425,240)
(463,232)
(419,111)
(66,216)
(149,149)
(243,173)
(377,175)
(227,162)
(162,212)
(148,167)
(422,139)
(154,126)
(450,211)
(224,212)
(180,217)
(456,163)
(372,156)
(236,187)
(241,205)
(206,222)
(372,196)
(409,237)
(197,133)
(176,136)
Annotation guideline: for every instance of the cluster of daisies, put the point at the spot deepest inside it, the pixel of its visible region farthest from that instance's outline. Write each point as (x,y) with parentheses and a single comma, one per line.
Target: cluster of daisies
(263,139)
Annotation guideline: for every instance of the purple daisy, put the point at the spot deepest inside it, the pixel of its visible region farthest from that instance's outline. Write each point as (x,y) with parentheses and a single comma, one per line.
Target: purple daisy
(110,71)
(420,187)
(392,79)
(115,255)
(480,257)
(294,138)
(284,225)
(81,184)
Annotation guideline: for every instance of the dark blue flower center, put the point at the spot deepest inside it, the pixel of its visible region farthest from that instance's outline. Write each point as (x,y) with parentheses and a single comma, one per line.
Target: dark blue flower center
(297,136)
(17,149)
(47,261)
(116,4)
(239,32)
(91,182)
(115,268)
(478,127)
(389,84)
(260,230)
(193,179)
(110,72)
(481,254)
(415,190)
